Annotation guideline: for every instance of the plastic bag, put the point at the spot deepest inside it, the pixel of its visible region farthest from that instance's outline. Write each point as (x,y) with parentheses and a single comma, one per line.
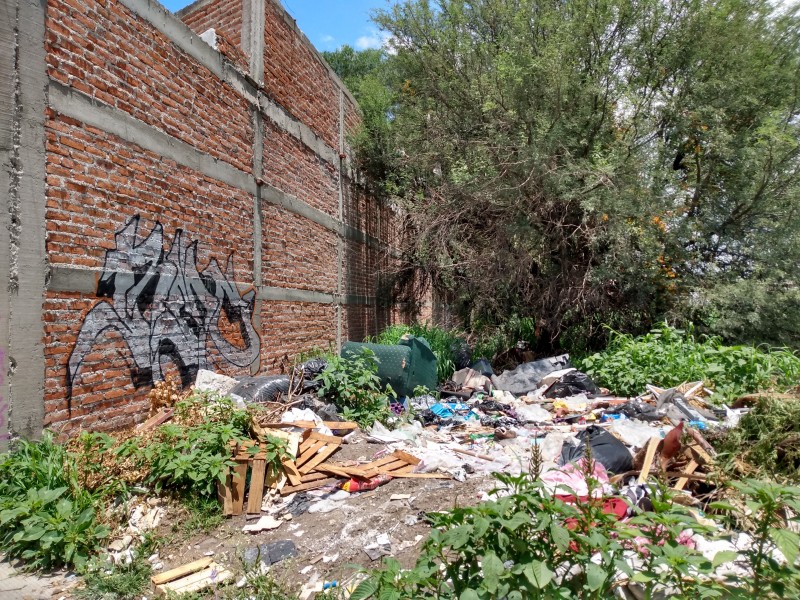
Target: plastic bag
(572,384)
(606,449)
(263,388)
(526,377)
(483,366)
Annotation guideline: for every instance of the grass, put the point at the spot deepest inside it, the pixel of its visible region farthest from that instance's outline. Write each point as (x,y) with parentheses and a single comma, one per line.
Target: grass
(104,581)
(205,514)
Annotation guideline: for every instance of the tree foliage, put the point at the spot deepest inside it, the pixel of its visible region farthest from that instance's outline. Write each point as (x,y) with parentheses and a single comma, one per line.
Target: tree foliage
(593,161)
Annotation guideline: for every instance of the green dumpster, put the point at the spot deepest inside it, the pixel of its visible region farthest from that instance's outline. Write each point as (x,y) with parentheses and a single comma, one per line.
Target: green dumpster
(409,364)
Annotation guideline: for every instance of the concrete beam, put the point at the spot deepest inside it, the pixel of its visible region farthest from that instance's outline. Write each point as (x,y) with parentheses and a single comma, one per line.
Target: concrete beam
(74,279)
(253,17)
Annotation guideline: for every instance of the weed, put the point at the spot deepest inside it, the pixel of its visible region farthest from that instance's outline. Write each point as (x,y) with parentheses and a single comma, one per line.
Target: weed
(496,339)
(767,438)
(354,387)
(667,357)
(46,518)
(205,514)
(531,544)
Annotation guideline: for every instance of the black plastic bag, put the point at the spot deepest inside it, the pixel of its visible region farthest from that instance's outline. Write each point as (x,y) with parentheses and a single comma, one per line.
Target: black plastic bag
(636,409)
(462,354)
(483,366)
(606,449)
(572,384)
(263,388)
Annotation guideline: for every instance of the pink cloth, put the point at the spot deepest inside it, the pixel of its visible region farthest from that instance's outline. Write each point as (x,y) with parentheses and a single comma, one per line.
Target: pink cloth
(571,476)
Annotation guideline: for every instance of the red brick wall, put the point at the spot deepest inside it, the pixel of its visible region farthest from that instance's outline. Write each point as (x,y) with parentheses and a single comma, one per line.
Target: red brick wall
(110,334)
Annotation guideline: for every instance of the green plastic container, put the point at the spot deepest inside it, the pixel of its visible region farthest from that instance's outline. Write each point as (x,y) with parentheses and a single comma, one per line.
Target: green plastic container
(409,364)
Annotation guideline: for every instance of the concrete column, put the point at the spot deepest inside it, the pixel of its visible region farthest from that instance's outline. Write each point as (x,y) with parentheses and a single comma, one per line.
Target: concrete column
(23,263)
(253,23)
(340,249)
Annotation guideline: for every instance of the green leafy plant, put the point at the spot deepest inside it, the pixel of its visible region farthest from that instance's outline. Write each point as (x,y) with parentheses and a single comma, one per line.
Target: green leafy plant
(668,356)
(104,580)
(46,518)
(190,456)
(352,384)
(528,543)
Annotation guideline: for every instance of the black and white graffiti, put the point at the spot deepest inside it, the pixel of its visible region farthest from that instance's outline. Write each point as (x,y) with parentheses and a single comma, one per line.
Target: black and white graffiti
(165,308)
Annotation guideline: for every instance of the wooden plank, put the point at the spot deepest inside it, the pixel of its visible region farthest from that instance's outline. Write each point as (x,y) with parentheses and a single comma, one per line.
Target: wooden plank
(410,459)
(378,463)
(182,571)
(225,492)
(315,477)
(239,477)
(309,452)
(161,417)
(648,459)
(406,469)
(690,468)
(256,493)
(332,470)
(290,468)
(475,454)
(420,475)
(396,464)
(325,438)
(349,471)
(312,485)
(319,457)
(335,425)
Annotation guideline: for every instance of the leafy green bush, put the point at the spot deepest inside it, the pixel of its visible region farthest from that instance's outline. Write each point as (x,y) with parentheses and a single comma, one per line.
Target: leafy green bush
(530,544)
(46,518)
(667,357)
(191,454)
(443,342)
(352,384)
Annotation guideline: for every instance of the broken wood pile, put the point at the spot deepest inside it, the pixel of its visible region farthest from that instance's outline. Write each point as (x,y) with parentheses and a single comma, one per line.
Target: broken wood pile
(307,466)
(191,577)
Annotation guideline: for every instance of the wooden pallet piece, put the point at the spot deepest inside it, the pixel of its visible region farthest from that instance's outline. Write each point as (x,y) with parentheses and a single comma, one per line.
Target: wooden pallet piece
(256,493)
(409,458)
(648,459)
(312,485)
(331,439)
(225,494)
(161,417)
(238,483)
(277,477)
(308,452)
(690,468)
(324,453)
(347,471)
(181,571)
(314,477)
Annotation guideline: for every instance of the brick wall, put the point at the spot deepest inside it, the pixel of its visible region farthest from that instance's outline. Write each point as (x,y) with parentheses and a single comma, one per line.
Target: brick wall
(199,213)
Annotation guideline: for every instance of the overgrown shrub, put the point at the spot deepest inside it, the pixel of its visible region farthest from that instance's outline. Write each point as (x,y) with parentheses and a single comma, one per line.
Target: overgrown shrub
(493,340)
(352,384)
(46,518)
(667,357)
(767,438)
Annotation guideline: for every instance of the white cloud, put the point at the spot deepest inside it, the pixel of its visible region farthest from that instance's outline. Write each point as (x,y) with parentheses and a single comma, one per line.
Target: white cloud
(327,39)
(375,39)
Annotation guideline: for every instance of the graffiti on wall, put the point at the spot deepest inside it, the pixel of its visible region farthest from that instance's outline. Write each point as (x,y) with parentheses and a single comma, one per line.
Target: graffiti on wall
(163,307)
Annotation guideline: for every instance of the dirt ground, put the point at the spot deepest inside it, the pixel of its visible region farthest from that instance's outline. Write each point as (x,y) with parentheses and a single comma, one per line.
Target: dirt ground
(332,542)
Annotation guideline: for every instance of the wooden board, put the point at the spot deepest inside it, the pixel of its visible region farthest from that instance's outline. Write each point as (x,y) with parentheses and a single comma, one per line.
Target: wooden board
(277,477)
(181,571)
(225,493)
(313,477)
(330,439)
(348,471)
(308,452)
(690,468)
(409,458)
(239,477)
(312,485)
(256,493)
(164,415)
(334,425)
(318,458)
(648,459)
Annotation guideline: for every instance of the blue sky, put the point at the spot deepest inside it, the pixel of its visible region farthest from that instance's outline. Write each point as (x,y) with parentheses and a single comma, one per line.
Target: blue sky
(328,23)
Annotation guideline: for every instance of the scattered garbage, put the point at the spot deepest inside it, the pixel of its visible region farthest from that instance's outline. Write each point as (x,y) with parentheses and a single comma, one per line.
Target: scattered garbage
(270,553)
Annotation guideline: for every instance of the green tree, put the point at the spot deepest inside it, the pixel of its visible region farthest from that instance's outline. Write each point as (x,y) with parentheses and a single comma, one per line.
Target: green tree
(593,161)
